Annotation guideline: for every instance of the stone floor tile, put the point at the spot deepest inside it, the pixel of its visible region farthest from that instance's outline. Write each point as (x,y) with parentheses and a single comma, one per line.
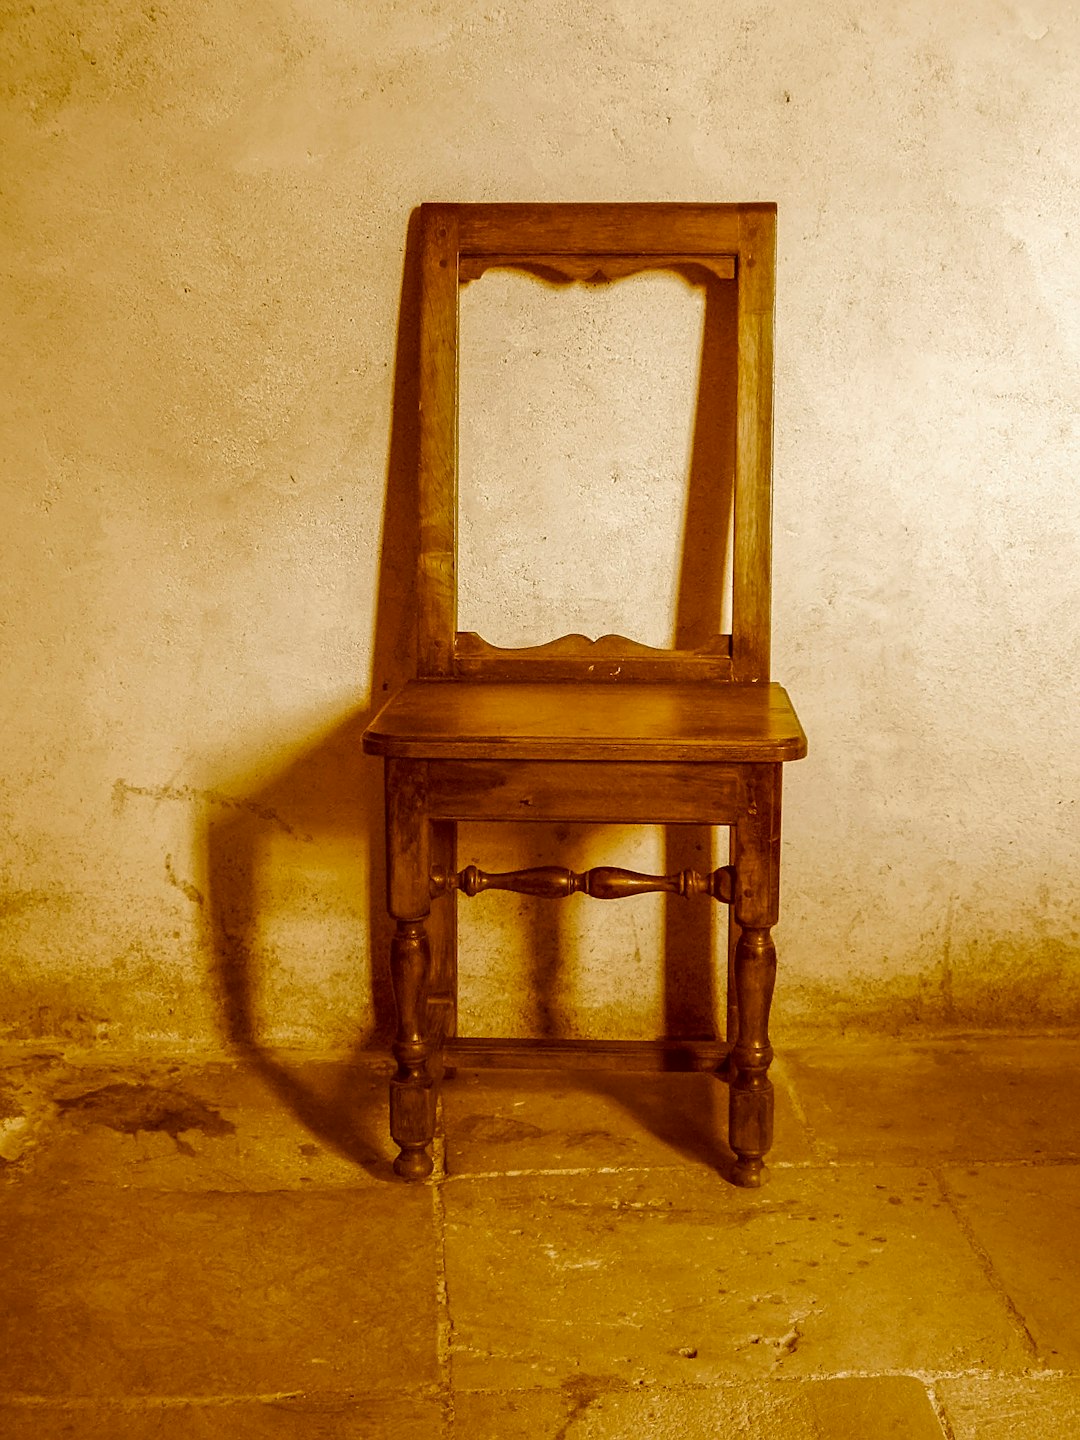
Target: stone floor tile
(675,1277)
(298,1123)
(24,1109)
(1008,1407)
(585,1409)
(164,1293)
(498,1120)
(1027,1219)
(353,1417)
(964,1098)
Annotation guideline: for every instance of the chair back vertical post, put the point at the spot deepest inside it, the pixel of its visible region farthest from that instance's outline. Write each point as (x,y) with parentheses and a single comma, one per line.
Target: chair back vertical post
(438,395)
(751,597)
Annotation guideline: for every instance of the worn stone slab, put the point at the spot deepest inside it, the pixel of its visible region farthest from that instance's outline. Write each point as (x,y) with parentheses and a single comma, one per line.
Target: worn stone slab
(350,1417)
(229,1126)
(24,1109)
(166,1293)
(1007,1407)
(534,1119)
(975,1098)
(674,1277)
(584,1408)
(1027,1220)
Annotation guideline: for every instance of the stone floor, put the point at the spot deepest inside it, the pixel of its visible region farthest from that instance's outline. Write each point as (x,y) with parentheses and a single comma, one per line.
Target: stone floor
(222,1250)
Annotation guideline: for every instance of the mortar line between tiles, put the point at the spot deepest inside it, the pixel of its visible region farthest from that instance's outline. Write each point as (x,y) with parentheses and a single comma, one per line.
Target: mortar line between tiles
(24,1401)
(543,1171)
(788,1082)
(1021,1162)
(938,1407)
(124,1403)
(443,1323)
(927,1378)
(996,1282)
(861,1163)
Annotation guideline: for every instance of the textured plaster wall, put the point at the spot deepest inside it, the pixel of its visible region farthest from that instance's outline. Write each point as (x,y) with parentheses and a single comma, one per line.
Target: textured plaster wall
(204,208)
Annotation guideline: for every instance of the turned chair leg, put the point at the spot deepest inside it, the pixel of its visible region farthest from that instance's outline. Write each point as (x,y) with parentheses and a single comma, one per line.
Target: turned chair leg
(413,1091)
(757,891)
(750,1122)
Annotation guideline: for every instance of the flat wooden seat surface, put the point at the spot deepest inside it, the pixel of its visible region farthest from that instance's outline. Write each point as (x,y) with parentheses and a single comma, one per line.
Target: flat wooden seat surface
(440,719)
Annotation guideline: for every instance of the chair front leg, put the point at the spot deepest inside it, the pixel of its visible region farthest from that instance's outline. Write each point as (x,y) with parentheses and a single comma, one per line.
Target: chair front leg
(413,1091)
(757,894)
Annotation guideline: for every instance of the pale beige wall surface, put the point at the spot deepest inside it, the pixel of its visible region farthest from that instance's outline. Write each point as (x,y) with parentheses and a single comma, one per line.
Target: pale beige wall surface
(204,208)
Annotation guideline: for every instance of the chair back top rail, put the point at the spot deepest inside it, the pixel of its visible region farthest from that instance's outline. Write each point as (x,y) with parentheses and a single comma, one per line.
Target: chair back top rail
(594,242)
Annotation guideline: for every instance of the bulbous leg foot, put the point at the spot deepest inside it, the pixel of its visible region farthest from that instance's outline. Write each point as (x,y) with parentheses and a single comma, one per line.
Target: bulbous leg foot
(749,1172)
(414,1163)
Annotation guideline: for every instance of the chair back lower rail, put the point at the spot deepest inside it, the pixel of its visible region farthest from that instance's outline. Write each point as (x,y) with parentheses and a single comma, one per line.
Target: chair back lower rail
(577,657)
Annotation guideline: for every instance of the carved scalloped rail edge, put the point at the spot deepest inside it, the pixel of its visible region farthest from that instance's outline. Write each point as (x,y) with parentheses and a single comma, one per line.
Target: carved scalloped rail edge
(609,657)
(614,647)
(603,882)
(596,269)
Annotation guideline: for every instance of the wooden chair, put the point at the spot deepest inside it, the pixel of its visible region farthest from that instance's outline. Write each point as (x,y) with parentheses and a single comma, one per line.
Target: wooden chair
(606,731)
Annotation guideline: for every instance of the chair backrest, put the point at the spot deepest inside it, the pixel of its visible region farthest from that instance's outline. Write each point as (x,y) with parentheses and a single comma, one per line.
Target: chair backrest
(735,243)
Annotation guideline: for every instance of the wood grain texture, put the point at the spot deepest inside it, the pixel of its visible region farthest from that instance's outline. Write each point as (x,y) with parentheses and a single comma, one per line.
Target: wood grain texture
(584,791)
(756,908)
(408,868)
(752,580)
(598,269)
(658,229)
(408,839)
(602,882)
(477,720)
(438,430)
(442,932)
(576,657)
(412,1090)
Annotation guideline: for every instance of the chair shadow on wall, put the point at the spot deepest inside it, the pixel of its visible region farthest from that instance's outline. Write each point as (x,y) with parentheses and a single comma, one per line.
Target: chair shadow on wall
(331,792)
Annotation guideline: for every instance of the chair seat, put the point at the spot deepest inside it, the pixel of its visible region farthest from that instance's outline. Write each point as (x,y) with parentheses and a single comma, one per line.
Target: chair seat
(479,720)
